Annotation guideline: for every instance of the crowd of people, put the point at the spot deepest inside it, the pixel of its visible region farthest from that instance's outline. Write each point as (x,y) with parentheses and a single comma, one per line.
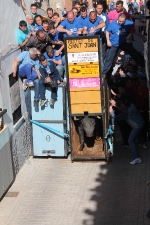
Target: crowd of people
(42,60)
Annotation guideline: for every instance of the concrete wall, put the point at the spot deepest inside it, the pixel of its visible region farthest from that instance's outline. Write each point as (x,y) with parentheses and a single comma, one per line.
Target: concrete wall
(10,14)
(11,98)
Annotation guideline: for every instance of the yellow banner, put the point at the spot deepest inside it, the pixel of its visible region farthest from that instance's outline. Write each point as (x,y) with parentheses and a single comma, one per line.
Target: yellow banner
(82,45)
(80,71)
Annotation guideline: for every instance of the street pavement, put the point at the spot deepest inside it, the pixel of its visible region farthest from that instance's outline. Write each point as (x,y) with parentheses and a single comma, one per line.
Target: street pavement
(59,192)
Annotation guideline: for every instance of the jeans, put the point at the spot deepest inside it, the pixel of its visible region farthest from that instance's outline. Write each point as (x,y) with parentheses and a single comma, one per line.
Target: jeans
(133,135)
(53,90)
(28,72)
(60,69)
(112,51)
(125,130)
(36,95)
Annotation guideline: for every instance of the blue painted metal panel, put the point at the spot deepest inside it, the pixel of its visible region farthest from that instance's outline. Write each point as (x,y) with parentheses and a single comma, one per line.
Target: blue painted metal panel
(46,142)
(44,113)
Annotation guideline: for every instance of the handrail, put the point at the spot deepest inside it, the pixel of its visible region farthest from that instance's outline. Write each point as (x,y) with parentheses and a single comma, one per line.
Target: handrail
(2,112)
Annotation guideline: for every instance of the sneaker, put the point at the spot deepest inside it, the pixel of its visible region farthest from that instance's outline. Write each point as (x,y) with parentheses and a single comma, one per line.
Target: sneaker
(24,85)
(30,84)
(125,145)
(42,102)
(36,103)
(51,102)
(136,161)
(143,146)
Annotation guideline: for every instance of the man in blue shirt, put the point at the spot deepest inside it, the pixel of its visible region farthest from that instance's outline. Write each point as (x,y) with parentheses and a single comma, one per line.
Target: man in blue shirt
(64,11)
(135,4)
(100,13)
(23,34)
(49,76)
(56,36)
(94,24)
(112,5)
(116,34)
(44,26)
(70,26)
(83,18)
(27,64)
(38,23)
(50,55)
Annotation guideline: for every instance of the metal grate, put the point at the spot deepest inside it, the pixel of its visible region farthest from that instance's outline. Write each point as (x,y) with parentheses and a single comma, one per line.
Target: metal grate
(12,194)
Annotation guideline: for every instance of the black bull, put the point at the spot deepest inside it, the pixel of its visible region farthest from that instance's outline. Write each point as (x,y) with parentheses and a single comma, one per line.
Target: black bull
(87,127)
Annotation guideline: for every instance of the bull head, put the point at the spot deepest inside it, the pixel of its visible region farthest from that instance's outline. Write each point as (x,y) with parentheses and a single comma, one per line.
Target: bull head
(88,126)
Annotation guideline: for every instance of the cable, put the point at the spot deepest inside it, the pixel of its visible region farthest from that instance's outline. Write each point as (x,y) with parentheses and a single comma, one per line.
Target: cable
(9,48)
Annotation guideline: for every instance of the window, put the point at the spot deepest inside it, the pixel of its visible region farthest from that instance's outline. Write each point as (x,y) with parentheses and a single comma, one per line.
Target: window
(15,98)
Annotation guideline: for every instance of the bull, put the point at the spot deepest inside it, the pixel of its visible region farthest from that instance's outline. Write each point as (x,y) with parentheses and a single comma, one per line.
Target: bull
(86,127)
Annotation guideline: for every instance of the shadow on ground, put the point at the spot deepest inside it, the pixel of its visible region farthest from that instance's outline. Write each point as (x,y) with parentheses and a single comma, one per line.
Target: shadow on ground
(121,195)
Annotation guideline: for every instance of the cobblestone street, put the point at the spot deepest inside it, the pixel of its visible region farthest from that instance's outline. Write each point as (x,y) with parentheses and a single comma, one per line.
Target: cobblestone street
(58,192)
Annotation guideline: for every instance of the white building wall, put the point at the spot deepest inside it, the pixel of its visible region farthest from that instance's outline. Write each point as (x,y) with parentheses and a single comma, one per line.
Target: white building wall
(19,133)
(10,14)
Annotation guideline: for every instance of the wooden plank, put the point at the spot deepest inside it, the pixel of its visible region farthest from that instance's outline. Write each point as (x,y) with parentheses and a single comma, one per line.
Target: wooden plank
(84,89)
(81,108)
(87,96)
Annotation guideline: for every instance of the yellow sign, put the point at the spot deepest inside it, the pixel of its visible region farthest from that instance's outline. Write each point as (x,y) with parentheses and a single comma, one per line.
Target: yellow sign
(82,45)
(83,71)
